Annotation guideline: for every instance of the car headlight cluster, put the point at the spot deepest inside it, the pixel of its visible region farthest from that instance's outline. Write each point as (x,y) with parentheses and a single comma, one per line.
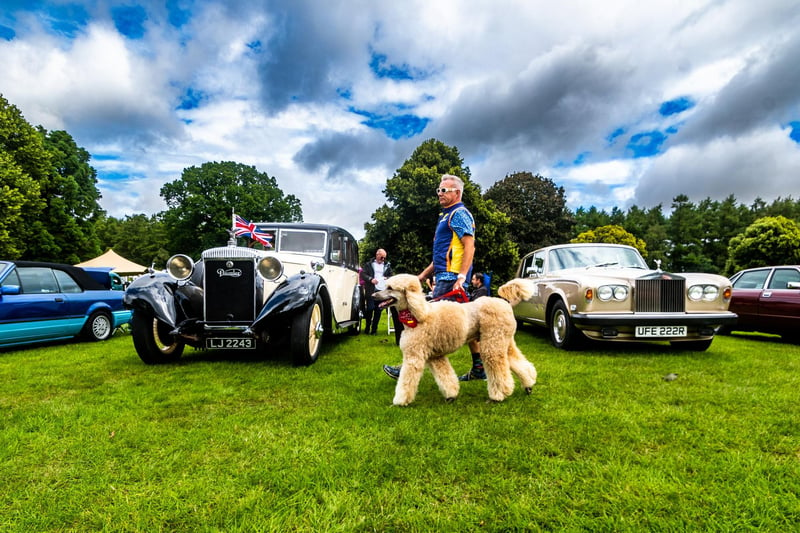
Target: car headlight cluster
(703,292)
(180,266)
(609,292)
(270,268)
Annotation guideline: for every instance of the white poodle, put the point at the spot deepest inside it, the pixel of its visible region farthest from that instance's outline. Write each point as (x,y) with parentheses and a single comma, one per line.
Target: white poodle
(435,329)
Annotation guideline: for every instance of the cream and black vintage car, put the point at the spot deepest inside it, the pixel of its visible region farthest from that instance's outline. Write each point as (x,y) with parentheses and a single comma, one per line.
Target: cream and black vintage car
(302,288)
(606,292)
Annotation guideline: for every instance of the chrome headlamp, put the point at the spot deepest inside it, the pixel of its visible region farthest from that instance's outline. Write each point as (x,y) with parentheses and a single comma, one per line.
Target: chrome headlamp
(270,268)
(180,266)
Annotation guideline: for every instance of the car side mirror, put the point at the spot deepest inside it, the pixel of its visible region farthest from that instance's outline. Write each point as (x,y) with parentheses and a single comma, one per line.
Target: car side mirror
(793,285)
(9,289)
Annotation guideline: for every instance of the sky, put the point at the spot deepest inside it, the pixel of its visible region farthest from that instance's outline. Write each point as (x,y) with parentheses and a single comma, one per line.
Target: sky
(620,102)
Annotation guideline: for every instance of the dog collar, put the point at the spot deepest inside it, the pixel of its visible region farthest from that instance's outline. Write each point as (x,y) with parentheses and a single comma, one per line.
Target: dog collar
(407,318)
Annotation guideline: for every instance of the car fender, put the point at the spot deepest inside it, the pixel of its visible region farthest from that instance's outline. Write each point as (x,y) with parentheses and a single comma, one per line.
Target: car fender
(294,294)
(156,293)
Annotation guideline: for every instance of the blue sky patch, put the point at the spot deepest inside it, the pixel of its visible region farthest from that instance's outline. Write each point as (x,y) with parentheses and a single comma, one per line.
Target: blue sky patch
(129,20)
(378,65)
(7,33)
(646,144)
(678,105)
(795,133)
(191,99)
(113,176)
(176,14)
(615,134)
(395,126)
(106,157)
(582,157)
(67,19)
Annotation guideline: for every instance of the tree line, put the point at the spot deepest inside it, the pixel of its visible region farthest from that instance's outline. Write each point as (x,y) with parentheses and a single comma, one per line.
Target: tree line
(50,211)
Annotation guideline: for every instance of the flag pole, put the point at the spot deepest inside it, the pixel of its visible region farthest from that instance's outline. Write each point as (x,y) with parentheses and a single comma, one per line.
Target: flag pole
(232,231)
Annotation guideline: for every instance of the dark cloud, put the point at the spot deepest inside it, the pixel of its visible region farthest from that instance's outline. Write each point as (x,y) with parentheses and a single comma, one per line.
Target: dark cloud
(307,56)
(561,102)
(764,92)
(341,152)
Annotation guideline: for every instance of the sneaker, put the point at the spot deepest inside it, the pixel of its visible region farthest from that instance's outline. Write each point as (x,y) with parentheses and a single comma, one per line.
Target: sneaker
(474,374)
(392,371)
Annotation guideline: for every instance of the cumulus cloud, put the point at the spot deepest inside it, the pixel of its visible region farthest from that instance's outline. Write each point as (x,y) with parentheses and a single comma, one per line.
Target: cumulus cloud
(620,103)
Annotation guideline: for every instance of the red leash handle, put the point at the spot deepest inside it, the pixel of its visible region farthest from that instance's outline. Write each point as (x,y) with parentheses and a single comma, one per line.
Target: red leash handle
(460,295)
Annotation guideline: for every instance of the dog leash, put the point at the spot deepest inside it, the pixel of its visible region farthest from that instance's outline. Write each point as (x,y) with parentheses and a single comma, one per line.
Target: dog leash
(459,294)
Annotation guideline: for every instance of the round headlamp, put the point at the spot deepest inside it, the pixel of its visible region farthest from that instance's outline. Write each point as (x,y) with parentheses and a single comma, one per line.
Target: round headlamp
(180,266)
(270,268)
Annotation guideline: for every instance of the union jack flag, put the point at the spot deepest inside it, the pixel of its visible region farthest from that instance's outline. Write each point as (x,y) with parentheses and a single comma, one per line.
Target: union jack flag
(243,228)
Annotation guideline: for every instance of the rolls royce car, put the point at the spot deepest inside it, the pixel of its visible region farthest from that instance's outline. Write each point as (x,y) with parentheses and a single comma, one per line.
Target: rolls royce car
(606,292)
(302,287)
(767,299)
(51,301)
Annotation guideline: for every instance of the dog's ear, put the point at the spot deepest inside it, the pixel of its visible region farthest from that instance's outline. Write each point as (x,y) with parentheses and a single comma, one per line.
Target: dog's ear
(414,284)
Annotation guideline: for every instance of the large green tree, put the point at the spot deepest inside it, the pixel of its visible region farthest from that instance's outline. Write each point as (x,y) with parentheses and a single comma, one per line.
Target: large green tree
(72,201)
(48,193)
(537,208)
(24,166)
(767,241)
(140,238)
(200,203)
(685,232)
(404,226)
(613,234)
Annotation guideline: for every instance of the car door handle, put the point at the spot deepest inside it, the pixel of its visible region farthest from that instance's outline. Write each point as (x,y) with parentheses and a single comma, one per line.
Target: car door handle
(59,300)
(766,294)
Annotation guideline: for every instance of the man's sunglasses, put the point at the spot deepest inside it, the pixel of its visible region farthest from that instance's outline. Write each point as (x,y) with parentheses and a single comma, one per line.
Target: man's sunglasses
(443,190)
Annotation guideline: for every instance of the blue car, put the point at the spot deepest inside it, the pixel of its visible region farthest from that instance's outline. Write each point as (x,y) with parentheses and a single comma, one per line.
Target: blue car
(49,301)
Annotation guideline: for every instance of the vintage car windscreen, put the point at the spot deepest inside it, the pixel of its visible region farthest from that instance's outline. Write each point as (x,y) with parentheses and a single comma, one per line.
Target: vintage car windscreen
(587,256)
(302,241)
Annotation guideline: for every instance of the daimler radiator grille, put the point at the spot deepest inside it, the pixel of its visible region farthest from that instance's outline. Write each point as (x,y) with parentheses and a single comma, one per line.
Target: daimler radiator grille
(660,295)
(230,290)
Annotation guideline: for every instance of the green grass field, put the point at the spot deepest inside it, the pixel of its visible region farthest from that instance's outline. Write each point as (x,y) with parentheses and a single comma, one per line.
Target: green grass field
(94,440)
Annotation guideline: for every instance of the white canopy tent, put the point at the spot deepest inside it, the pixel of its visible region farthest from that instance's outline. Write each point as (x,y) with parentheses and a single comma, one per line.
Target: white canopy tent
(118,264)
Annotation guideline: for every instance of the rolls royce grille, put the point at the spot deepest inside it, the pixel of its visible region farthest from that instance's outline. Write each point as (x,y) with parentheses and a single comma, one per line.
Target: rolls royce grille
(229,288)
(660,295)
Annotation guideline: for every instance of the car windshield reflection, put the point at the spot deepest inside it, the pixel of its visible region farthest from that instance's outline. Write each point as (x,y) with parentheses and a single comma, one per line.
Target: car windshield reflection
(587,256)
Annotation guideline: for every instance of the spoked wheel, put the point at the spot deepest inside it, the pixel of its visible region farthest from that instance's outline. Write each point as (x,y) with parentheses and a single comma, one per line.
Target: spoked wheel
(306,334)
(563,333)
(152,339)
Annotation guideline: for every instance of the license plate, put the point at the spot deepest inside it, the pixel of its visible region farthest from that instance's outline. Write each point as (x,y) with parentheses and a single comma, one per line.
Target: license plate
(239,343)
(660,331)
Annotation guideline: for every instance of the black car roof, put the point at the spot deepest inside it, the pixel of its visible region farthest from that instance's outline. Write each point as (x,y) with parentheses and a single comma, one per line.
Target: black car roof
(81,276)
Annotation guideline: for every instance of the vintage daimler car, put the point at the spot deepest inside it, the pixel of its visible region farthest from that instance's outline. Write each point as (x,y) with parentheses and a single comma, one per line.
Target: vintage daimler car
(301,288)
(606,292)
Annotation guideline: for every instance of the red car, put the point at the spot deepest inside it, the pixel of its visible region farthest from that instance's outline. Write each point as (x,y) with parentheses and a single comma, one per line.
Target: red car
(767,299)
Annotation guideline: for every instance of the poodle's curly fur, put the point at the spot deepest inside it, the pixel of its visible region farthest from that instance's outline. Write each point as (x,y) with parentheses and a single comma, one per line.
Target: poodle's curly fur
(443,327)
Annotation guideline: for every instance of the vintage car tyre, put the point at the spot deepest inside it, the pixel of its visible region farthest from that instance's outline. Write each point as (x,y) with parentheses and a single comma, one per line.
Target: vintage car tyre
(152,340)
(99,327)
(563,333)
(694,346)
(306,334)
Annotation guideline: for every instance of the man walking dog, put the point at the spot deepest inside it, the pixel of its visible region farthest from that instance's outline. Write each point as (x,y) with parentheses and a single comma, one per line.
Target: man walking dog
(453,251)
